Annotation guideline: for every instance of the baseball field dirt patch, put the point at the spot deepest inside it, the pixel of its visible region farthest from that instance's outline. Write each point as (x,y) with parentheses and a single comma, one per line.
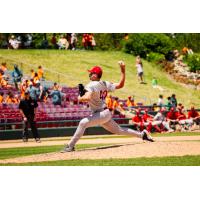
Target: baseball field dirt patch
(113,148)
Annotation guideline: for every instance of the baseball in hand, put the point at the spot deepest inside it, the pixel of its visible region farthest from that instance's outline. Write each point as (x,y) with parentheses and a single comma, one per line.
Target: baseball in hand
(121,62)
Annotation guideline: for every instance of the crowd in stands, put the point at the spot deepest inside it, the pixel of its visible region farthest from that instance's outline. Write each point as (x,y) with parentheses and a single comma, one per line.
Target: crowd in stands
(57,41)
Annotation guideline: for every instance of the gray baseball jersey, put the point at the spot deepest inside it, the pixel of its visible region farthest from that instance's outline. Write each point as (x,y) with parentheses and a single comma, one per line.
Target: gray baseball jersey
(99,91)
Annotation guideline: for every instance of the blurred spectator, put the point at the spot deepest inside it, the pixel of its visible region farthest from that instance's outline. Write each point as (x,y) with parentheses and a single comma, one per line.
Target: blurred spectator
(3,82)
(3,67)
(32,73)
(109,102)
(185,50)
(85,41)
(32,91)
(23,88)
(40,73)
(190,52)
(39,91)
(29,40)
(130,102)
(10,99)
(56,87)
(63,43)
(173,100)
(56,97)
(172,118)
(139,67)
(182,120)
(36,78)
(126,36)
(13,43)
(54,41)
(155,85)
(68,37)
(17,76)
(160,100)
(1,97)
(115,105)
(194,115)
(168,103)
(44,43)
(160,119)
(148,121)
(73,41)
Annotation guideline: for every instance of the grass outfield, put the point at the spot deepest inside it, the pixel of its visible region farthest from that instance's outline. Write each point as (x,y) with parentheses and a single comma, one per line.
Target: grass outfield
(73,67)
(6,153)
(155,161)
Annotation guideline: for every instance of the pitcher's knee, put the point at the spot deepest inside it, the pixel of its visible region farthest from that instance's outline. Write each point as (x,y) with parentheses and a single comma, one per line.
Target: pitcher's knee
(84,122)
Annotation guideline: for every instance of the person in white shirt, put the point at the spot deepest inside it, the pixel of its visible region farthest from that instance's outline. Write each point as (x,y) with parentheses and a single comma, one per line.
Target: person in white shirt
(96,92)
(139,67)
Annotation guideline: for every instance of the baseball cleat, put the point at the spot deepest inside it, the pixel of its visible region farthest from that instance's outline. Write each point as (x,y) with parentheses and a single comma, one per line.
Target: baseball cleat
(146,136)
(67,149)
(38,140)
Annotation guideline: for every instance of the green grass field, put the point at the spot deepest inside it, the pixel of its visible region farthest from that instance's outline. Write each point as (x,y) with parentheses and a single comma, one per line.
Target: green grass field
(155,161)
(73,65)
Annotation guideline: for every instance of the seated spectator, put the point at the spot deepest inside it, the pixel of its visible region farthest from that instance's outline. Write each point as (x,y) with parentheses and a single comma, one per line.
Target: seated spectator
(109,102)
(137,120)
(182,120)
(194,115)
(40,73)
(56,87)
(1,97)
(155,107)
(130,102)
(56,97)
(160,120)
(63,43)
(172,118)
(36,78)
(10,99)
(17,76)
(115,105)
(148,121)
(23,88)
(3,82)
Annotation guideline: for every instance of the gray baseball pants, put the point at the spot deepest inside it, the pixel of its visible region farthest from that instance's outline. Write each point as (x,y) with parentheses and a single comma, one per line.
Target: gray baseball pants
(103,118)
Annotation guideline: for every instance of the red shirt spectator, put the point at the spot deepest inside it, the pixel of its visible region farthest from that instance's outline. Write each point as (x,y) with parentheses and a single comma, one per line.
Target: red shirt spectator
(172,114)
(193,113)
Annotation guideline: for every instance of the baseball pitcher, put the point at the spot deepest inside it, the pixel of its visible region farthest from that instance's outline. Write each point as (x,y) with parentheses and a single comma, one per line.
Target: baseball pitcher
(95,93)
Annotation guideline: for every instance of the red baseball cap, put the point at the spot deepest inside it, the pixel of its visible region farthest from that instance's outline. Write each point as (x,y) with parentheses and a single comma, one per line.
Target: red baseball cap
(96,70)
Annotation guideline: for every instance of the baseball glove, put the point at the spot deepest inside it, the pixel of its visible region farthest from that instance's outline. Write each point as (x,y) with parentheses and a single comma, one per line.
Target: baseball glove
(82,90)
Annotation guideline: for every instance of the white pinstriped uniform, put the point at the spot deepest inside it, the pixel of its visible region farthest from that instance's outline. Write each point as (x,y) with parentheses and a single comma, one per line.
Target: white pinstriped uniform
(100,115)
